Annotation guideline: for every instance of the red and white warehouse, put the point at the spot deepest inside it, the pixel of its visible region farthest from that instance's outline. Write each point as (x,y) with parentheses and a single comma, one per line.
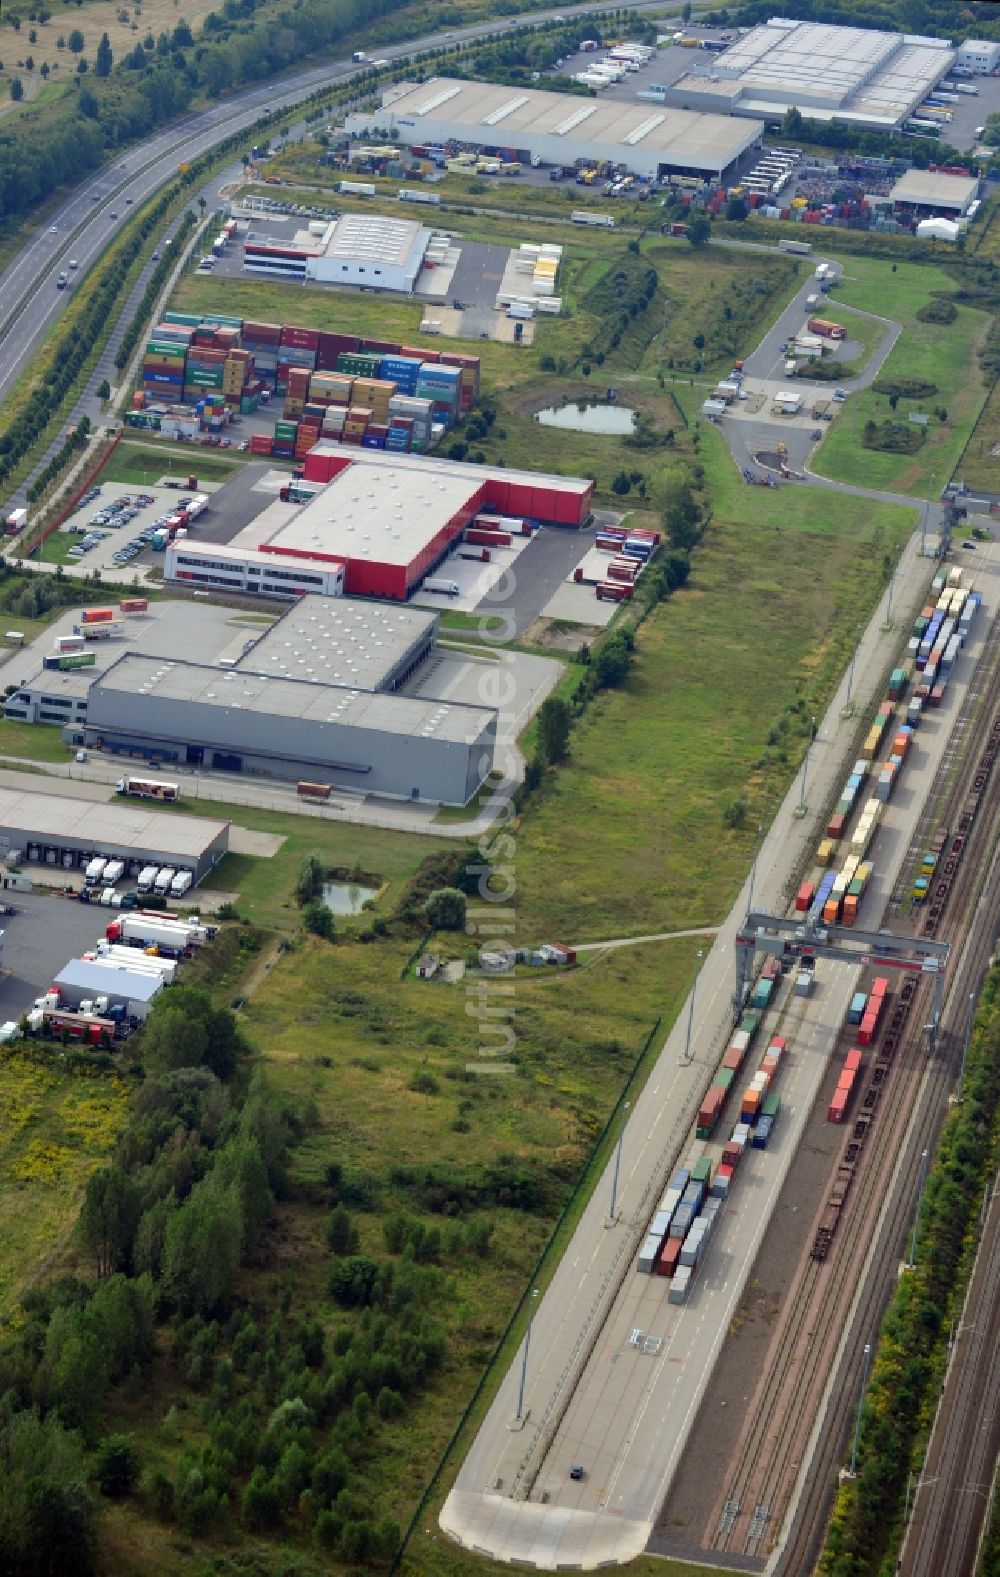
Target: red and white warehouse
(376,528)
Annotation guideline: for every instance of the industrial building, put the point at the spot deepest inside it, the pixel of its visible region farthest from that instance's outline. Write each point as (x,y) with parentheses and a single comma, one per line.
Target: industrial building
(854,75)
(933,192)
(377,525)
(315,697)
(355,249)
(525,124)
(296,728)
(81,981)
(981,56)
(50,829)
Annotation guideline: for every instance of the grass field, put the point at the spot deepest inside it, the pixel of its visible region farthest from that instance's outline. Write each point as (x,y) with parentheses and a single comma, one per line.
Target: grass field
(33,741)
(943,353)
(629,837)
(55,1127)
(143,463)
(265,885)
(977,466)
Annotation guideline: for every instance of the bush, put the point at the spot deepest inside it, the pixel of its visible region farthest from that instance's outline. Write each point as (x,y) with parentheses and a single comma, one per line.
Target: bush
(938,310)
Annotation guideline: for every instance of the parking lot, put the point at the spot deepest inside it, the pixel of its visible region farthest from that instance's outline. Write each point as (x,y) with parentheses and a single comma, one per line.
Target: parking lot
(112,528)
(45,933)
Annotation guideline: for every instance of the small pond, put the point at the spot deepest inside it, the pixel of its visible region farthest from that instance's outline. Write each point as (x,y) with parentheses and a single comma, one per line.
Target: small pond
(347,897)
(582,418)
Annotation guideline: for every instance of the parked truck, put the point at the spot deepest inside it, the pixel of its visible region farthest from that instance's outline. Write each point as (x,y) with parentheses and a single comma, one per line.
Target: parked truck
(16,521)
(827,329)
(146,930)
(94,871)
(147,876)
(100,632)
(164,877)
(181,884)
(787,245)
(583,216)
(447,588)
(148,788)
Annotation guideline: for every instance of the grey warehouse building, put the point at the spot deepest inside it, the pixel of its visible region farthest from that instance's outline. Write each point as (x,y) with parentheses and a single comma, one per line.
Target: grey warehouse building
(559,128)
(278,711)
(857,76)
(49,829)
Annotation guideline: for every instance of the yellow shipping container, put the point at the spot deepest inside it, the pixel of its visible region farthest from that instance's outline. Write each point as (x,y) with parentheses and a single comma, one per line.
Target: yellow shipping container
(824,854)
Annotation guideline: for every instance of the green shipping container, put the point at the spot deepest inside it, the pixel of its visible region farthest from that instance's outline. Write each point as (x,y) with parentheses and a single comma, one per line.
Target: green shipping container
(188,320)
(701,1172)
(248,404)
(724,1078)
(750,1024)
(77,659)
(219,320)
(856,888)
(770,1106)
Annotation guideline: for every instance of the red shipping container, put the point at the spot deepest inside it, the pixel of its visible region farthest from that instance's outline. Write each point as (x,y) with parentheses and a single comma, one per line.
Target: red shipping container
(805,896)
(880,986)
(838,1107)
(852,1061)
(733,1059)
(850,910)
(302,339)
(846,1080)
(835,826)
(669,1256)
(711,1106)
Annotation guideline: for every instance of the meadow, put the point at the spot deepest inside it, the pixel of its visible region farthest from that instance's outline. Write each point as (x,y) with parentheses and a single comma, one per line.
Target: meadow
(944,353)
(56,1126)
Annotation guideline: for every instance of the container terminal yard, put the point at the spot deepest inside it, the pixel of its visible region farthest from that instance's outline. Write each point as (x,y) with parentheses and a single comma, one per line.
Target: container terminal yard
(637,1413)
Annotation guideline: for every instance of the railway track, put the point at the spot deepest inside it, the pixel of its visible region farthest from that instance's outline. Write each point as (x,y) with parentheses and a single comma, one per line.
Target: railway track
(944,1532)
(873,1193)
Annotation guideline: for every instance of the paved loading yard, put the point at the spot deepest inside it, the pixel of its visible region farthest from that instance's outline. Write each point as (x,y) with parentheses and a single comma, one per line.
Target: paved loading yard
(44,934)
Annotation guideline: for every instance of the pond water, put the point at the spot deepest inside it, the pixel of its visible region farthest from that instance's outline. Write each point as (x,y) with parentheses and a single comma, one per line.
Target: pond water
(347,897)
(581,418)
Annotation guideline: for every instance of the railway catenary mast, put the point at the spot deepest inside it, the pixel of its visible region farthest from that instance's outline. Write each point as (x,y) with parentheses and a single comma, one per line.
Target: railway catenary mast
(791,939)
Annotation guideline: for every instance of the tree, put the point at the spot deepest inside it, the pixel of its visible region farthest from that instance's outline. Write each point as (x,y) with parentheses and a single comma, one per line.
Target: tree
(686,12)
(792,123)
(173,1039)
(16,89)
(445,909)
(318,918)
(612,664)
(104,390)
(240,1168)
(554,721)
(108,1218)
(117,1466)
(679,510)
(77,42)
(46,1511)
(341,1233)
(311,878)
(699,230)
(201,1250)
(103,59)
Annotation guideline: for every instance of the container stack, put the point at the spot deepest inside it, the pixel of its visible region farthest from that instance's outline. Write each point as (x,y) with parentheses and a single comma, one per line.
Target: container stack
(441,385)
(469,386)
(297,349)
(284,439)
(403,371)
(297,390)
(416,414)
(262,340)
(355,425)
(164,361)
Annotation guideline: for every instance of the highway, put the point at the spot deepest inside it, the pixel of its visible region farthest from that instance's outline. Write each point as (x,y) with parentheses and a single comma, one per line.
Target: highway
(615,1374)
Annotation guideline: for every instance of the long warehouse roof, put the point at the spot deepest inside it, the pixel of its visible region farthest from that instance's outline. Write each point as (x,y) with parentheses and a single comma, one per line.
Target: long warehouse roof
(90,821)
(315,698)
(490,113)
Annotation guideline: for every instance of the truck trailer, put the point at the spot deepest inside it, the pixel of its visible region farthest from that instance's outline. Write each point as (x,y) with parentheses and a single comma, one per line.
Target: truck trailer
(148,788)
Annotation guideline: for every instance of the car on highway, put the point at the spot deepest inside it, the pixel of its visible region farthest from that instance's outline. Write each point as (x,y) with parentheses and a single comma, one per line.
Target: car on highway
(969,544)
(53,229)
(154,257)
(128,202)
(114,213)
(817,432)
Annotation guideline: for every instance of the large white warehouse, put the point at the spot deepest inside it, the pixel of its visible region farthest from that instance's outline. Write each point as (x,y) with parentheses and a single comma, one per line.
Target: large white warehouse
(558,128)
(356,249)
(855,75)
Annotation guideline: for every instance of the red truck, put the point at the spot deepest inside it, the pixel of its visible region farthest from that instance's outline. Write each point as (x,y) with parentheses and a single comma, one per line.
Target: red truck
(826,328)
